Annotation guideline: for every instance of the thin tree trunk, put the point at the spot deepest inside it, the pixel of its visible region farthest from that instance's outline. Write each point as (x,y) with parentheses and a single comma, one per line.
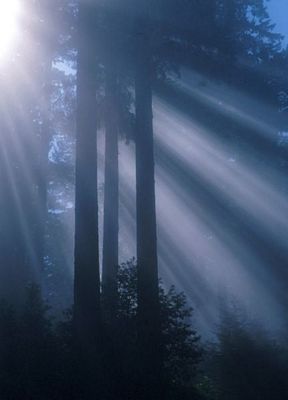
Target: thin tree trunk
(45,133)
(148,296)
(111,197)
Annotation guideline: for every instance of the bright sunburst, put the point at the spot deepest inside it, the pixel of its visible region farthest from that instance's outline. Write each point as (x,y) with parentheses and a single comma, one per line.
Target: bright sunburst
(9,13)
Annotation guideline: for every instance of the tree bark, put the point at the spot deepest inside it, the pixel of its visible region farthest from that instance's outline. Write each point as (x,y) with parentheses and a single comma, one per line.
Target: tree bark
(86,281)
(148,296)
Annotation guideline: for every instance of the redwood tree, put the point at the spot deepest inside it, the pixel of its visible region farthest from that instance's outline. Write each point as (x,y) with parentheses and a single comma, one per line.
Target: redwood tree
(148,296)
(87,281)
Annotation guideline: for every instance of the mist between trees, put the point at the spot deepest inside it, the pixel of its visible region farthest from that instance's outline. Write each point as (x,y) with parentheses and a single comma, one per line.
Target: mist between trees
(155,130)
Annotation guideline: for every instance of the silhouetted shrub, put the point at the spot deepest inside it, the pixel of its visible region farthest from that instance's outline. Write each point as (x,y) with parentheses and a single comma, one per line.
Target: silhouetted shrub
(40,359)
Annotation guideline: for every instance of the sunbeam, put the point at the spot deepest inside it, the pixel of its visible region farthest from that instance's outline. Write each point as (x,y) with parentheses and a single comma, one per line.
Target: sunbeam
(143,191)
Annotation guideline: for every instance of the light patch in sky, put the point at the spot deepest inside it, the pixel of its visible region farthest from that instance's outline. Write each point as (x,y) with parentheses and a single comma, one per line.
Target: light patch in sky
(278,10)
(9,15)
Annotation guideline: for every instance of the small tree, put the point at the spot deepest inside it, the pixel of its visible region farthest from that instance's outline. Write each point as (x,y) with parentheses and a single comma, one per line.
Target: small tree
(180,343)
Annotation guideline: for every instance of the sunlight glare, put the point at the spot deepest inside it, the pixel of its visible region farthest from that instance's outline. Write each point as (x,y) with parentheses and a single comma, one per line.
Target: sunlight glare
(9,13)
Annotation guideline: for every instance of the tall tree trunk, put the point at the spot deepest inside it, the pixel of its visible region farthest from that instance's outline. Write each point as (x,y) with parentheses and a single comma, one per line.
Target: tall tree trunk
(111,197)
(87,281)
(148,296)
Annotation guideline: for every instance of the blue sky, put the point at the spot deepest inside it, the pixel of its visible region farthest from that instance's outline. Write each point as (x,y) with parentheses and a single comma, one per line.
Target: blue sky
(279,14)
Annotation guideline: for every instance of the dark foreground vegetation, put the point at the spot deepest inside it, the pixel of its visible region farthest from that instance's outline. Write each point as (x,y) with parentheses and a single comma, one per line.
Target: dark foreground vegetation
(40,358)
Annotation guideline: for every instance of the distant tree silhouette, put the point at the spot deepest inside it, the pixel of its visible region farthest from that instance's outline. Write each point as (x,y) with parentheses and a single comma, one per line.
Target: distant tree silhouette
(245,362)
(29,350)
